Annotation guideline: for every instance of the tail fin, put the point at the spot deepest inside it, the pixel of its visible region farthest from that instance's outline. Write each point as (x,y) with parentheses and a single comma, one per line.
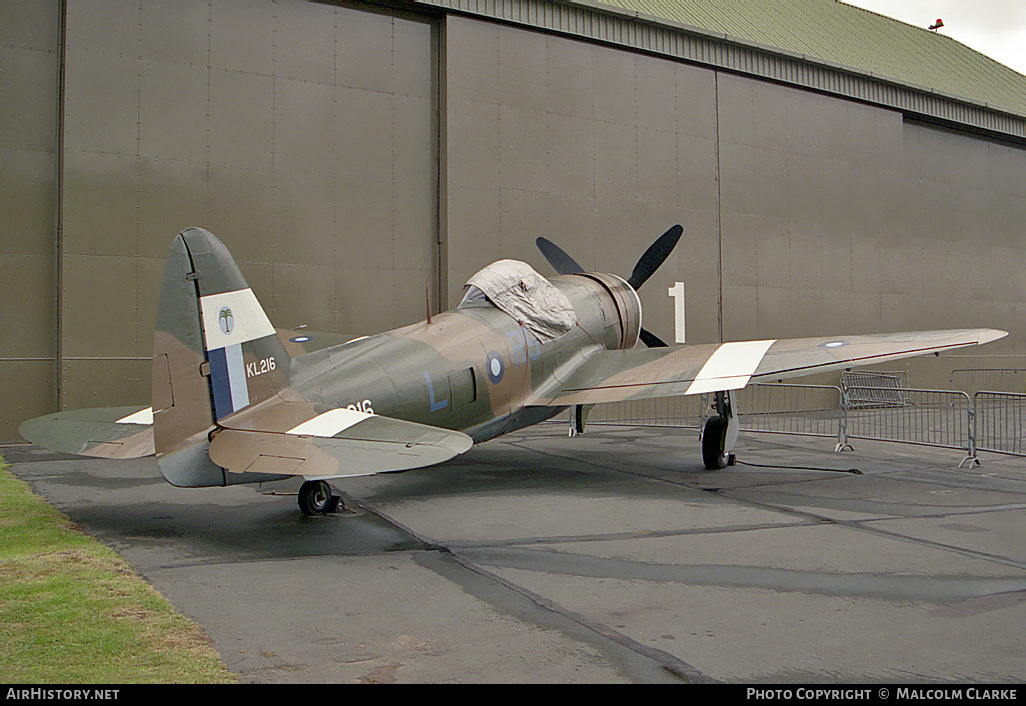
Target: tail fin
(214,353)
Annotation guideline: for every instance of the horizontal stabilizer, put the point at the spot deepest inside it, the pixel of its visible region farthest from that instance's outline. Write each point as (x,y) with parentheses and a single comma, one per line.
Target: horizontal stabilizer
(104,432)
(337,444)
(300,341)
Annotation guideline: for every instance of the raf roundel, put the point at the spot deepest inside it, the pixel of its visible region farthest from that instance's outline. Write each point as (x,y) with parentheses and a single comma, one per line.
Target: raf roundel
(495,367)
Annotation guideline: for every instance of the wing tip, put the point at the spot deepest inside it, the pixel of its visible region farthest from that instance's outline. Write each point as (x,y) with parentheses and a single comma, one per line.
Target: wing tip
(991,334)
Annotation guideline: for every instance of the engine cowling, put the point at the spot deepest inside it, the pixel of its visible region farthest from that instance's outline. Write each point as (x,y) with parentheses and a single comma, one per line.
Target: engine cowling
(626,303)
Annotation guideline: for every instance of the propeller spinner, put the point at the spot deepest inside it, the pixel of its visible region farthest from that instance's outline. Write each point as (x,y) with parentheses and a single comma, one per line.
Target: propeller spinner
(646,265)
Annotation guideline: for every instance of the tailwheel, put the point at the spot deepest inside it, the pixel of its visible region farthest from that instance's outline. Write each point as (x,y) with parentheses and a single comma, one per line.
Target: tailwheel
(315,497)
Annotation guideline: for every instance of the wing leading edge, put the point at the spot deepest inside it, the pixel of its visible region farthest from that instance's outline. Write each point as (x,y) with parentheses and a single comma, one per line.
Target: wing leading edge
(618,375)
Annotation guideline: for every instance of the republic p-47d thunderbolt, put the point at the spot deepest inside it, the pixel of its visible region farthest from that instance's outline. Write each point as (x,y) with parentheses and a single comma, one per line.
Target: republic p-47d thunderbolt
(235,400)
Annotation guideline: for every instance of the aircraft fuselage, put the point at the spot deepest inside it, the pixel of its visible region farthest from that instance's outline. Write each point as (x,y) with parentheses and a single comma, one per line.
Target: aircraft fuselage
(471,369)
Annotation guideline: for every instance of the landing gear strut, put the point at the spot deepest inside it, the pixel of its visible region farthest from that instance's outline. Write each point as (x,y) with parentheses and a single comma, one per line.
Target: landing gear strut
(315,498)
(719,434)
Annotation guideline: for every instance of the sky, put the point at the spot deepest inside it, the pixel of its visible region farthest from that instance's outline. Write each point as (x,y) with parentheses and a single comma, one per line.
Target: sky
(996,28)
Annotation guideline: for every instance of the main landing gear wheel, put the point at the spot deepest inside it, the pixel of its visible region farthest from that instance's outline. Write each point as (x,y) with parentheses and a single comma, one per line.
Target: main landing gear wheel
(720,434)
(713,437)
(315,497)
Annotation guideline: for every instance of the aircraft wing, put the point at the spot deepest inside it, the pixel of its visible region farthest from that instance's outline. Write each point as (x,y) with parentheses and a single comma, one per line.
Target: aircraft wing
(334,444)
(105,432)
(617,375)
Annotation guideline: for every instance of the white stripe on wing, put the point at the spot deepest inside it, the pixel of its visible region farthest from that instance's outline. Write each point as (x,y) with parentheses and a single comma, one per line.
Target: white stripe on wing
(330,423)
(729,367)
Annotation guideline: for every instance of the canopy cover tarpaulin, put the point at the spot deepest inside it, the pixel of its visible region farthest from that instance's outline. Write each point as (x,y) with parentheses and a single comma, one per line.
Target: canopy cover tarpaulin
(515,288)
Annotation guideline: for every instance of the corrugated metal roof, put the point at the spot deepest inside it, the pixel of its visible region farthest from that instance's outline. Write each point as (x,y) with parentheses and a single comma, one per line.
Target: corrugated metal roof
(831,31)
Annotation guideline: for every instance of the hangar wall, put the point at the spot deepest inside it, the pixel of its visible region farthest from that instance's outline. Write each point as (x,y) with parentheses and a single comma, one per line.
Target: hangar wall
(966,213)
(301,134)
(805,214)
(30,47)
(599,150)
(811,190)
(348,154)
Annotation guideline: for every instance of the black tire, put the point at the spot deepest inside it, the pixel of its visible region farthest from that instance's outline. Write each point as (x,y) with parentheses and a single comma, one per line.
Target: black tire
(713,437)
(314,497)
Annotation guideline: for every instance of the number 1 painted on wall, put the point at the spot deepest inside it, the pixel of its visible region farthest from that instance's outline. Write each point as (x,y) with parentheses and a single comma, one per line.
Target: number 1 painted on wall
(677,292)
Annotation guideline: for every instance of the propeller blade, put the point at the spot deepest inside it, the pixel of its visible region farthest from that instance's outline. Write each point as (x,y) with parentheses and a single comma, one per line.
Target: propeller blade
(651,340)
(560,261)
(654,256)
(649,263)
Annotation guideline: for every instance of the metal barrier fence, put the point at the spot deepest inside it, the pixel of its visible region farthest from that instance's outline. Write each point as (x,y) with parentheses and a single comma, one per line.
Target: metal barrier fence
(770,407)
(685,411)
(811,410)
(992,379)
(989,421)
(782,408)
(870,388)
(929,417)
(1000,422)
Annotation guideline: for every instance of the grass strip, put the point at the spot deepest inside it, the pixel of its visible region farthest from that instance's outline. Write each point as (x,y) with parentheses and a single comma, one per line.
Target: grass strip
(73,612)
